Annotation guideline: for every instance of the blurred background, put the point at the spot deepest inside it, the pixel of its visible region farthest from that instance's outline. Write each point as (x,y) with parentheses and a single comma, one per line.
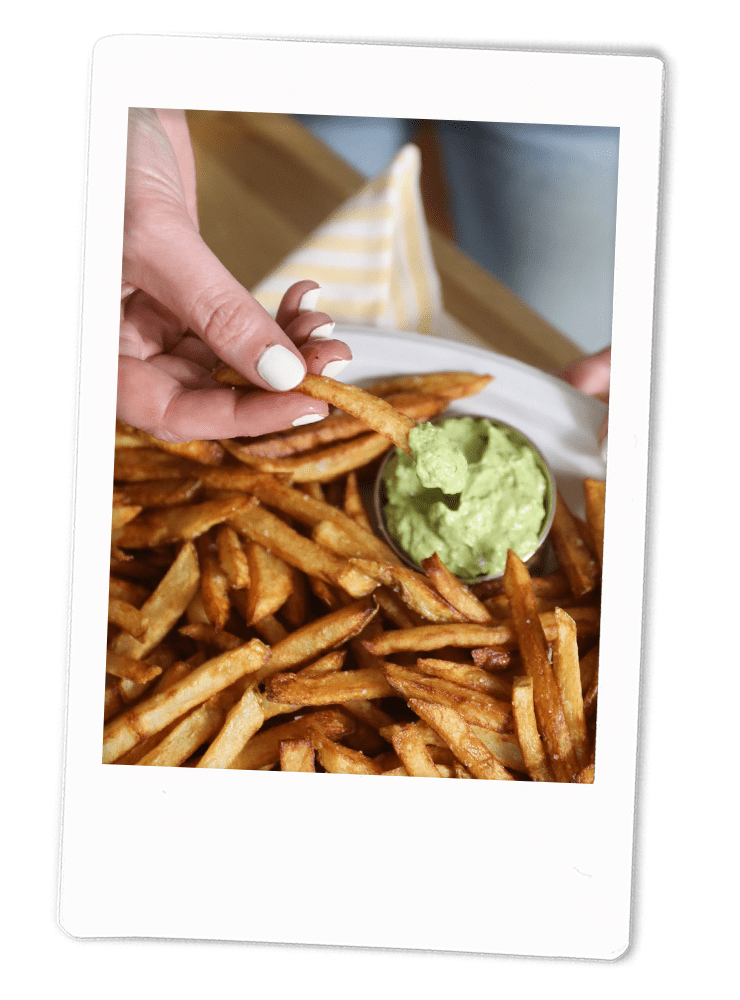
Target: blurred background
(535,205)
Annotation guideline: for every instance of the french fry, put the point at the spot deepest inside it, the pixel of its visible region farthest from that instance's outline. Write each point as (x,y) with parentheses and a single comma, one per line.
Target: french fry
(324,464)
(329,689)
(128,591)
(270,583)
(242,722)
(128,618)
(166,604)
(154,713)
(595,491)
(260,525)
(297,755)
(413,588)
(120,516)
(173,524)
(533,647)
(372,410)
(213,637)
(137,465)
(452,385)
(466,676)
(476,707)
(525,726)
(567,670)
(263,749)
(339,759)
(130,669)
(232,557)
(412,750)
(160,492)
(491,659)
(469,750)
(214,586)
(329,663)
(578,564)
(184,739)
(353,505)
(455,592)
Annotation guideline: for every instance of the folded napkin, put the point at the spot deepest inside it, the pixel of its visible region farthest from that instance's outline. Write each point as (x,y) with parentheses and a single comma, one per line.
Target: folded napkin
(372,256)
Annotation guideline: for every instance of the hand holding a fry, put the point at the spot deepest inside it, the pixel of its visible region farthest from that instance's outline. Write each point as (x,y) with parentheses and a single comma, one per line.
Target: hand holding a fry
(182,312)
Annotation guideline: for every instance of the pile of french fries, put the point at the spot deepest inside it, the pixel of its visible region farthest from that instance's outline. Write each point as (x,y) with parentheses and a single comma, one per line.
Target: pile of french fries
(256,621)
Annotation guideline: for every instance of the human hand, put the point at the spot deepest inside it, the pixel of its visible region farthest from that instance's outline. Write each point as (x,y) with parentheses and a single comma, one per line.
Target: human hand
(182,312)
(591,375)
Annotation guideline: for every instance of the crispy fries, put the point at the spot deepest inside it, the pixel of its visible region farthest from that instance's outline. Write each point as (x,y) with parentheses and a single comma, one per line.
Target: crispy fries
(362,666)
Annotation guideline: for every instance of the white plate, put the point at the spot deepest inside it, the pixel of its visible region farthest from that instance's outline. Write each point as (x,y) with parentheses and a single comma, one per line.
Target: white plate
(562,422)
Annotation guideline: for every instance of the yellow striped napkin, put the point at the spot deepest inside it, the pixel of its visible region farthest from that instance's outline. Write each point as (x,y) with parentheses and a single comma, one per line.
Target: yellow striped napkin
(372,256)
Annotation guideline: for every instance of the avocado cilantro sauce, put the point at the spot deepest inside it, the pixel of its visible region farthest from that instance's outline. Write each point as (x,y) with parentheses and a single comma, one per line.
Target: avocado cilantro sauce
(503,496)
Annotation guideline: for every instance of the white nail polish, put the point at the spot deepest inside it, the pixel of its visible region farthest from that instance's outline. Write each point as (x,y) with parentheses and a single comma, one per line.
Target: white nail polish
(603,447)
(324,332)
(333,368)
(307,418)
(280,368)
(309,300)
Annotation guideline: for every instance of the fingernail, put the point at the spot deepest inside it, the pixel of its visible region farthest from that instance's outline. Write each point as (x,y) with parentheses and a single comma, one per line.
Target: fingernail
(603,447)
(333,368)
(307,418)
(280,368)
(309,300)
(324,332)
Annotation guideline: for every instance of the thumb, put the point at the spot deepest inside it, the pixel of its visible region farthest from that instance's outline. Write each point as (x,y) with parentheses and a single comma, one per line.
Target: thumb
(165,257)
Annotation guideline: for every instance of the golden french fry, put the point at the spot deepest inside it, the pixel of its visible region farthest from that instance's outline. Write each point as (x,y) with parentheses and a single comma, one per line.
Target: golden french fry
(135,465)
(491,659)
(466,676)
(595,491)
(567,670)
(455,592)
(324,464)
(412,750)
(469,750)
(128,618)
(120,516)
(232,556)
(166,604)
(154,713)
(263,749)
(329,689)
(128,591)
(353,504)
(214,587)
(242,722)
(184,739)
(326,664)
(260,525)
(589,665)
(206,452)
(297,755)
(413,588)
(214,637)
(534,652)
(476,707)
(130,669)
(160,492)
(339,759)
(525,726)
(173,524)
(452,385)
(578,564)
(270,583)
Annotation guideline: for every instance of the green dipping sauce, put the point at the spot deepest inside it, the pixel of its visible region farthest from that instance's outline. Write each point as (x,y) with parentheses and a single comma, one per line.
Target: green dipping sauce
(503,496)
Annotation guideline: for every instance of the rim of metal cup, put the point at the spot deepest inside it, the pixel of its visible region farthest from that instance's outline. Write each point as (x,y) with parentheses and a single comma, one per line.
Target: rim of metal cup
(539,555)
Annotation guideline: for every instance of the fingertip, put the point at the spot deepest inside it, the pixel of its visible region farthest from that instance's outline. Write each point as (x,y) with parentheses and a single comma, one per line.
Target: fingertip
(300,298)
(326,357)
(280,368)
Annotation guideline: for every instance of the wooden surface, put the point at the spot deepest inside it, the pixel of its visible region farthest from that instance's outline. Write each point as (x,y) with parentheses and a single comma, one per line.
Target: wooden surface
(265,183)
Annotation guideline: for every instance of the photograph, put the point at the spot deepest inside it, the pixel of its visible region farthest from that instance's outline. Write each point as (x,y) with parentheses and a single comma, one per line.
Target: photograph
(356,367)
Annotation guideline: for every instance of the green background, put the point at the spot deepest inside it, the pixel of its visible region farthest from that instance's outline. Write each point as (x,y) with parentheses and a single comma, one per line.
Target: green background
(687,931)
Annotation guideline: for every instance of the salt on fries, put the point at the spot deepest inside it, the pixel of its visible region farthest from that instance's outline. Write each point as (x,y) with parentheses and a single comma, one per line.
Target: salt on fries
(257,622)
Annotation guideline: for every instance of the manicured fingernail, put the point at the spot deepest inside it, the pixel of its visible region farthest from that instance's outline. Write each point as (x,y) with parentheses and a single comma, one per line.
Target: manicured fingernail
(333,368)
(280,368)
(324,332)
(603,447)
(309,300)
(307,418)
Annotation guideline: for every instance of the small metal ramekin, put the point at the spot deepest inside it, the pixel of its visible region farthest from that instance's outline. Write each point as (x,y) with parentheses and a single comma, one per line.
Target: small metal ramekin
(539,557)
